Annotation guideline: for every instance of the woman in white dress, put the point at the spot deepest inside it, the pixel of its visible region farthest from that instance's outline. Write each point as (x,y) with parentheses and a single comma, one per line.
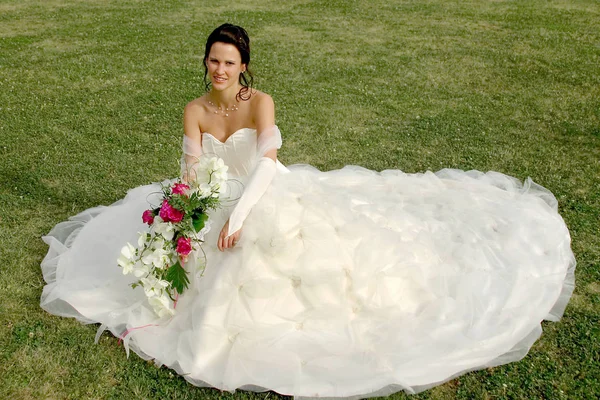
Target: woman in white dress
(340,284)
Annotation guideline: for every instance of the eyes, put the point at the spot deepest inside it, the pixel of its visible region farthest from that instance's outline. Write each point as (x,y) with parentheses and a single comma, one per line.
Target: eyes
(214,61)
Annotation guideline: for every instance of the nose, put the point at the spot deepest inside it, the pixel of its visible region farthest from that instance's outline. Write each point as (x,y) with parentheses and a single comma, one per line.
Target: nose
(220,69)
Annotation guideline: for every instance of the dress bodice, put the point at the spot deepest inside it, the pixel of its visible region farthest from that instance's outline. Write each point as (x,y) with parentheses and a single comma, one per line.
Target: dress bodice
(239,151)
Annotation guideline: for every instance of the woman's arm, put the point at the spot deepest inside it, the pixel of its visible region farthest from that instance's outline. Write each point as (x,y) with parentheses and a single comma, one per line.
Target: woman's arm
(191,120)
(264,118)
(192,141)
(259,181)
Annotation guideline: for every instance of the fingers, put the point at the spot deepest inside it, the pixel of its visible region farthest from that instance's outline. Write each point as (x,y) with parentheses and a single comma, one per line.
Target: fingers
(227,242)
(220,242)
(230,241)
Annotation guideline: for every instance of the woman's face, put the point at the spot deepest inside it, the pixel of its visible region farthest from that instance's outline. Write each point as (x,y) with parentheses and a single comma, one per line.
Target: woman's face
(224,64)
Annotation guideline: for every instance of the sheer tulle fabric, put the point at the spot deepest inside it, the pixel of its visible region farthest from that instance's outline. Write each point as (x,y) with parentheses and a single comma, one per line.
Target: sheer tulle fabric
(348,283)
(190,157)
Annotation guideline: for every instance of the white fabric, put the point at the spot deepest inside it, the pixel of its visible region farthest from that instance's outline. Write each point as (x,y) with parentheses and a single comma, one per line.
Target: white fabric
(347,283)
(190,156)
(245,161)
(267,140)
(242,150)
(259,181)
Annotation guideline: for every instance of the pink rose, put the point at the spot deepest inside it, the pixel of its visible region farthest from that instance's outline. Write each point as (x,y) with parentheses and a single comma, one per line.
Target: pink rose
(168,213)
(148,217)
(184,246)
(179,188)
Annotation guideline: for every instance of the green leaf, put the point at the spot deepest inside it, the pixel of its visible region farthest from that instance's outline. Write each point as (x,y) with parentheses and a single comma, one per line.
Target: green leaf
(199,220)
(178,278)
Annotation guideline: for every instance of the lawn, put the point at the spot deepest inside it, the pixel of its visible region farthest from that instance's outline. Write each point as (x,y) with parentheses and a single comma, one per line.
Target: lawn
(91,100)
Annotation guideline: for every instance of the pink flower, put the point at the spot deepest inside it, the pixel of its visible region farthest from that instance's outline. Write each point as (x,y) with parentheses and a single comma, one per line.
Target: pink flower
(184,246)
(148,217)
(179,188)
(168,213)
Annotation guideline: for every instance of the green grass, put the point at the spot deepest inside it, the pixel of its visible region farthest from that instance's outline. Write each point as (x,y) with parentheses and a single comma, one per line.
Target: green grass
(91,100)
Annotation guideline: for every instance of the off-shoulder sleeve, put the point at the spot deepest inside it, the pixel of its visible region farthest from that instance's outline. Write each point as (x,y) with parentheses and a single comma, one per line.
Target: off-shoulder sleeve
(268,139)
(191,153)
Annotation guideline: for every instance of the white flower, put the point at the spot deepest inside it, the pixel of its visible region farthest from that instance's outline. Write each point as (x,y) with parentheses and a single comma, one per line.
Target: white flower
(126,265)
(142,238)
(128,251)
(217,186)
(204,190)
(165,229)
(211,169)
(202,171)
(159,258)
(158,243)
(140,269)
(162,305)
(216,164)
(219,178)
(153,286)
(126,259)
(220,175)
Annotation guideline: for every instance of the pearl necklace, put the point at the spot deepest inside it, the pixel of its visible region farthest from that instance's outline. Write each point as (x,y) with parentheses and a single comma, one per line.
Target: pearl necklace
(223,112)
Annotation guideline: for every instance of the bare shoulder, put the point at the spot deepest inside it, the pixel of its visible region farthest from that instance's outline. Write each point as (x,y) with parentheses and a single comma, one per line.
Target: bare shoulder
(193,114)
(263,110)
(261,99)
(196,106)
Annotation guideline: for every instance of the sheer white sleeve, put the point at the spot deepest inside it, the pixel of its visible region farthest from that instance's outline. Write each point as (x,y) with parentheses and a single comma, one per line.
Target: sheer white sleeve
(192,151)
(268,139)
(259,180)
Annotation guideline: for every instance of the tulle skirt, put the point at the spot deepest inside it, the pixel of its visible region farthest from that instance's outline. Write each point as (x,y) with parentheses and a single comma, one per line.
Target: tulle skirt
(348,283)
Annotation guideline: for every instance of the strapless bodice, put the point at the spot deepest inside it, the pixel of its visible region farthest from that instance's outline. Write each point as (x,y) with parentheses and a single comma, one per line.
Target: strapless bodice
(239,151)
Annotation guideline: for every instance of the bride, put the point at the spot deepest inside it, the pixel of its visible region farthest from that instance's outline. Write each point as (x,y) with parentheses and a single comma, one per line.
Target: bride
(348,283)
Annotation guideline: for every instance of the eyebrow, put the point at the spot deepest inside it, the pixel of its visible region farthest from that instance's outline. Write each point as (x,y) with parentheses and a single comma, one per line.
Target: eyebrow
(215,59)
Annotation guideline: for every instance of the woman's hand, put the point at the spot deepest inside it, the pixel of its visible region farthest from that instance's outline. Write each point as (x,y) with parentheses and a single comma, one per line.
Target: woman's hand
(227,242)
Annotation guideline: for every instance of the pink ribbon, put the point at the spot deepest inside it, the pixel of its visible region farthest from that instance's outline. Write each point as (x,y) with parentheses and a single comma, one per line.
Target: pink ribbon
(128,331)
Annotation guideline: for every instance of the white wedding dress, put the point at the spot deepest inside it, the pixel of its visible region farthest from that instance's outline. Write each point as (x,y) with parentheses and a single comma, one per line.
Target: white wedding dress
(348,283)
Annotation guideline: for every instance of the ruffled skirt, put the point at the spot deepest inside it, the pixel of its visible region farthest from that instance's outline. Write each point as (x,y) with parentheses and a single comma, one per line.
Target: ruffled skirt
(348,283)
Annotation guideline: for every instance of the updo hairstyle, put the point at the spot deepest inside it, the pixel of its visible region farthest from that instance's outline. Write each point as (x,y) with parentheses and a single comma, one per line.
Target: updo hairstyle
(237,36)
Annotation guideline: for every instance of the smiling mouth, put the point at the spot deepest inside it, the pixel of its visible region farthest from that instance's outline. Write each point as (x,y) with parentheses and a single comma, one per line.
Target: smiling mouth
(219,79)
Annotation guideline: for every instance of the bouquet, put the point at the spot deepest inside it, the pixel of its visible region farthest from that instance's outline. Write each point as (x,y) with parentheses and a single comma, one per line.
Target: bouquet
(176,229)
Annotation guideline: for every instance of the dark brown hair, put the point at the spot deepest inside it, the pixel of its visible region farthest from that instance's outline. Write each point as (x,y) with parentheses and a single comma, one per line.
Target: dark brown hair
(237,36)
